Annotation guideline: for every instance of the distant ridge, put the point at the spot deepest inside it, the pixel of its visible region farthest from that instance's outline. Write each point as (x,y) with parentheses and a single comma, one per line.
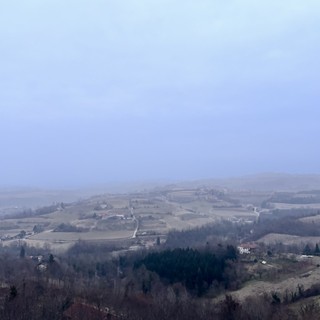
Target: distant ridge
(263,182)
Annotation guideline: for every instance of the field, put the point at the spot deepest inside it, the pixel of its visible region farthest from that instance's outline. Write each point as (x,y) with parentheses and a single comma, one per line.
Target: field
(286,239)
(287,206)
(147,215)
(109,217)
(290,284)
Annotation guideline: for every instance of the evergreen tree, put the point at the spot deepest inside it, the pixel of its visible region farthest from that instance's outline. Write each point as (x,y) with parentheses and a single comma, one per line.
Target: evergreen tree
(51,258)
(307,250)
(22,252)
(13,292)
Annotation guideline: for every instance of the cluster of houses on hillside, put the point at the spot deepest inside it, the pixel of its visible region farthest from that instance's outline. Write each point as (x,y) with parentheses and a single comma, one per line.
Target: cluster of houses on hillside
(247,248)
(114,216)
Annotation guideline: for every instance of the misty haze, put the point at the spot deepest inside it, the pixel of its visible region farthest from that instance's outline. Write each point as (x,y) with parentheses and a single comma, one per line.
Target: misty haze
(159,160)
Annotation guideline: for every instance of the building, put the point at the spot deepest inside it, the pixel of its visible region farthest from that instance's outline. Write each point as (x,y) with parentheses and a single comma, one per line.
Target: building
(247,248)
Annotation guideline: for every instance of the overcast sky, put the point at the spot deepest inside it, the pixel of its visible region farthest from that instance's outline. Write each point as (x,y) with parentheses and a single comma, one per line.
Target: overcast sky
(93,92)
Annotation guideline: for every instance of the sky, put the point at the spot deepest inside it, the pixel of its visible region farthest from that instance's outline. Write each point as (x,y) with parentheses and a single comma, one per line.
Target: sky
(100,91)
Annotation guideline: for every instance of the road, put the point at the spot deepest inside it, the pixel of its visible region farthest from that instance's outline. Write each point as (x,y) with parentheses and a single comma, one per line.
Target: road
(137,224)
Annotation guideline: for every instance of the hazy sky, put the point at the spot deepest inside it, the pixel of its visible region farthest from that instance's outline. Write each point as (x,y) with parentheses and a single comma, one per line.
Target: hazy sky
(93,92)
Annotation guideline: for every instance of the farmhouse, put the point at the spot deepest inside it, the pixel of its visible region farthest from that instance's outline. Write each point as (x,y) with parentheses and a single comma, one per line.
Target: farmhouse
(81,310)
(247,248)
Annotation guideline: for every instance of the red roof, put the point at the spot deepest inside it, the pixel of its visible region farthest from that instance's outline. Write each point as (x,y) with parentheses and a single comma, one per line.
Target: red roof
(248,246)
(83,311)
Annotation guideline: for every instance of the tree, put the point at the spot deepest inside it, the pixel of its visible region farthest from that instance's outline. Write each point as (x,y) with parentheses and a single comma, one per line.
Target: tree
(22,234)
(13,292)
(307,250)
(38,228)
(230,309)
(51,258)
(22,252)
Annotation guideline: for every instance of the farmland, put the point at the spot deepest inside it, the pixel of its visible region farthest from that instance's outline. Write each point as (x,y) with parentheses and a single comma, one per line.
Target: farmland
(148,215)
(110,217)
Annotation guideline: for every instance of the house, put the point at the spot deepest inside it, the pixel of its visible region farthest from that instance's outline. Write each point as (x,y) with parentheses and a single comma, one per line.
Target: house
(247,248)
(85,311)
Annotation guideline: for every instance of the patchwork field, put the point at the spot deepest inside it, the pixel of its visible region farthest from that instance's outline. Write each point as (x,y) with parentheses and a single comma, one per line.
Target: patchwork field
(150,214)
(125,216)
